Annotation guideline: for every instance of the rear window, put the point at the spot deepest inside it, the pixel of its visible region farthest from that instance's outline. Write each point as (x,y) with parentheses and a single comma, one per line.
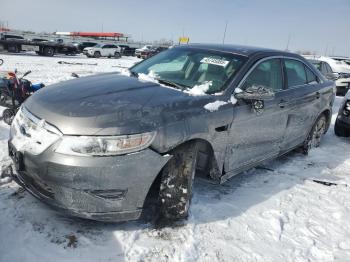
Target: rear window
(311,77)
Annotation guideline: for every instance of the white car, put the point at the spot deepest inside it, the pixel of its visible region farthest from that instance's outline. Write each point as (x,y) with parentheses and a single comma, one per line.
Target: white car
(344,59)
(139,52)
(103,50)
(333,67)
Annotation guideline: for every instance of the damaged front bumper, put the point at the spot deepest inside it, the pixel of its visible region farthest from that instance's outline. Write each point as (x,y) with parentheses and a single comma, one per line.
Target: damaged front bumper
(98,188)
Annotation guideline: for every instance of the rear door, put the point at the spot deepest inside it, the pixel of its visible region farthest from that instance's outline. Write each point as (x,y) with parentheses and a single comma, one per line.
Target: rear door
(253,136)
(301,100)
(106,50)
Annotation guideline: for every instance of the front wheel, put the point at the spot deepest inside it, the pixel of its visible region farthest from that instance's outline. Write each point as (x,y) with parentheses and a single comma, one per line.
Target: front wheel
(176,183)
(117,55)
(97,54)
(49,51)
(316,134)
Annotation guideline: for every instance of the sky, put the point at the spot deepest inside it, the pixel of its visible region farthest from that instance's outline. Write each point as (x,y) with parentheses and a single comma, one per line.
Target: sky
(320,26)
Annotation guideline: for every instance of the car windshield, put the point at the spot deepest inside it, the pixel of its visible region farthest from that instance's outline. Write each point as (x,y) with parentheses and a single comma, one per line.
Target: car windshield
(188,68)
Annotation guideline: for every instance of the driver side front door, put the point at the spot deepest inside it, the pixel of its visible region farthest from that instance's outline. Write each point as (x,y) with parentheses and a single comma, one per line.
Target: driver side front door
(257,136)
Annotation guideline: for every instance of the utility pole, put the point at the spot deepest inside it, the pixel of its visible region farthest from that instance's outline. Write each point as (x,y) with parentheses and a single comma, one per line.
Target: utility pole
(223,39)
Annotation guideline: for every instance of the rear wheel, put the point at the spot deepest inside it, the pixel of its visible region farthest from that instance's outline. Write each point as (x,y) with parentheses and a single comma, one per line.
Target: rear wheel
(13,49)
(49,51)
(316,134)
(176,183)
(97,54)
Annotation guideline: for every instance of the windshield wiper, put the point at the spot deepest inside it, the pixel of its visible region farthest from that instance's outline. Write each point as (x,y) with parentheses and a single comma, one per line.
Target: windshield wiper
(172,84)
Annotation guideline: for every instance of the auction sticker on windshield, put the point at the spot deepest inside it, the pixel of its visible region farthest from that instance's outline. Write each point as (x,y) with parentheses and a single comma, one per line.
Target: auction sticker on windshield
(215,61)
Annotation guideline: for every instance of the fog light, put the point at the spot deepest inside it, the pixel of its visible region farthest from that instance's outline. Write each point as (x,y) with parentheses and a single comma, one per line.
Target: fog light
(346,112)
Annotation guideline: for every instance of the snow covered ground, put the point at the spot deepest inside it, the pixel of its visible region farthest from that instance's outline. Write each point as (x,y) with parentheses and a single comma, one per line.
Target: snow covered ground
(272,213)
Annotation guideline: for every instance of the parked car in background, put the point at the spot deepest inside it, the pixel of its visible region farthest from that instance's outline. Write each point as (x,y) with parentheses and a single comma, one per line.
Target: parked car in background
(8,36)
(342,124)
(344,59)
(211,110)
(82,45)
(335,70)
(154,51)
(39,40)
(144,51)
(103,50)
(127,50)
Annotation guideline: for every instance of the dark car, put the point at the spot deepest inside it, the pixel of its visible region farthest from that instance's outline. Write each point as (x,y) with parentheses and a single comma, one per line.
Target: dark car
(127,50)
(95,146)
(144,54)
(82,45)
(342,124)
(7,36)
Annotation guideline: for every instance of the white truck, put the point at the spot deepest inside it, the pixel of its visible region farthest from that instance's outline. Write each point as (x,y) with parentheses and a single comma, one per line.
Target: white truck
(103,50)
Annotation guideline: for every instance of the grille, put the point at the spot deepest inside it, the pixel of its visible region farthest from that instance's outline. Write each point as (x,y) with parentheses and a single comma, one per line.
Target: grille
(31,134)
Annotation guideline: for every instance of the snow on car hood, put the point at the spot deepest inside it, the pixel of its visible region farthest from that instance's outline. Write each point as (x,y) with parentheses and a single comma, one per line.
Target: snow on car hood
(106,104)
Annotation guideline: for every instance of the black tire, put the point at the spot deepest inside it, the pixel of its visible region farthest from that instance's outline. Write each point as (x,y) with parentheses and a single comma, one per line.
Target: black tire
(97,54)
(8,116)
(49,51)
(340,131)
(117,55)
(315,136)
(176,183)
(13,49)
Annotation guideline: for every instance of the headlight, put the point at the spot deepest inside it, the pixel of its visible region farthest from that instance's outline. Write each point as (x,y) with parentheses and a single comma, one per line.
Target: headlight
(104,145)
(346,111)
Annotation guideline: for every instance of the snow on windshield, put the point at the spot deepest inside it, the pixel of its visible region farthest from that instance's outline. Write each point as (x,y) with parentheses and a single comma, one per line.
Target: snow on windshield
(200,90)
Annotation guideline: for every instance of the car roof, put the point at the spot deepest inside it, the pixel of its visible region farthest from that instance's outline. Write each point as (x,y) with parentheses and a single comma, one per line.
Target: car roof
(236,49)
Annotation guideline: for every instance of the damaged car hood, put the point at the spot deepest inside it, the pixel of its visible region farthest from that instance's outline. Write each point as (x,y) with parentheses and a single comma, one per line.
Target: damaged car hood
(109,104)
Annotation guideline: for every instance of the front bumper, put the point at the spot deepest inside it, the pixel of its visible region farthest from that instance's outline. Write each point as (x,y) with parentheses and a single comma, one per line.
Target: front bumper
(98,188)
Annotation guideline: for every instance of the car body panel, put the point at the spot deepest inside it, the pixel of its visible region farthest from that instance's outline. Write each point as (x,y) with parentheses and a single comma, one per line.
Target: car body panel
(112,104)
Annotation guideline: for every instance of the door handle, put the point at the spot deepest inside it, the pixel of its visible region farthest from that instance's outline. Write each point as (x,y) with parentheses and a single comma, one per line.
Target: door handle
(282,103)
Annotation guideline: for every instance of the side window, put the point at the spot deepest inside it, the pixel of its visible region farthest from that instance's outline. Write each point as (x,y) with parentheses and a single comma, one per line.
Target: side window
(267,74)
(296,74)
(311,77)
(329,69)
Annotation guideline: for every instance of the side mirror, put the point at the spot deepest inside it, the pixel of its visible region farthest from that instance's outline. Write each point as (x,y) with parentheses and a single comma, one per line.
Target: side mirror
(256,93)
(332,76)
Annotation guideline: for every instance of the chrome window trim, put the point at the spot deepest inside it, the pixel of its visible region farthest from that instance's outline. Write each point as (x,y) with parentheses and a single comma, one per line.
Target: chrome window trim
(240,84)
(48,127)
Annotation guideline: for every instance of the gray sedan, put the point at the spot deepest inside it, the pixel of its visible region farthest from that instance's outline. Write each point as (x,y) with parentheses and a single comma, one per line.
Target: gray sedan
(95,146)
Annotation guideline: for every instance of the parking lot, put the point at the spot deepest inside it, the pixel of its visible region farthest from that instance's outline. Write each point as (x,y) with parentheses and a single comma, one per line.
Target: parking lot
(295,208)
